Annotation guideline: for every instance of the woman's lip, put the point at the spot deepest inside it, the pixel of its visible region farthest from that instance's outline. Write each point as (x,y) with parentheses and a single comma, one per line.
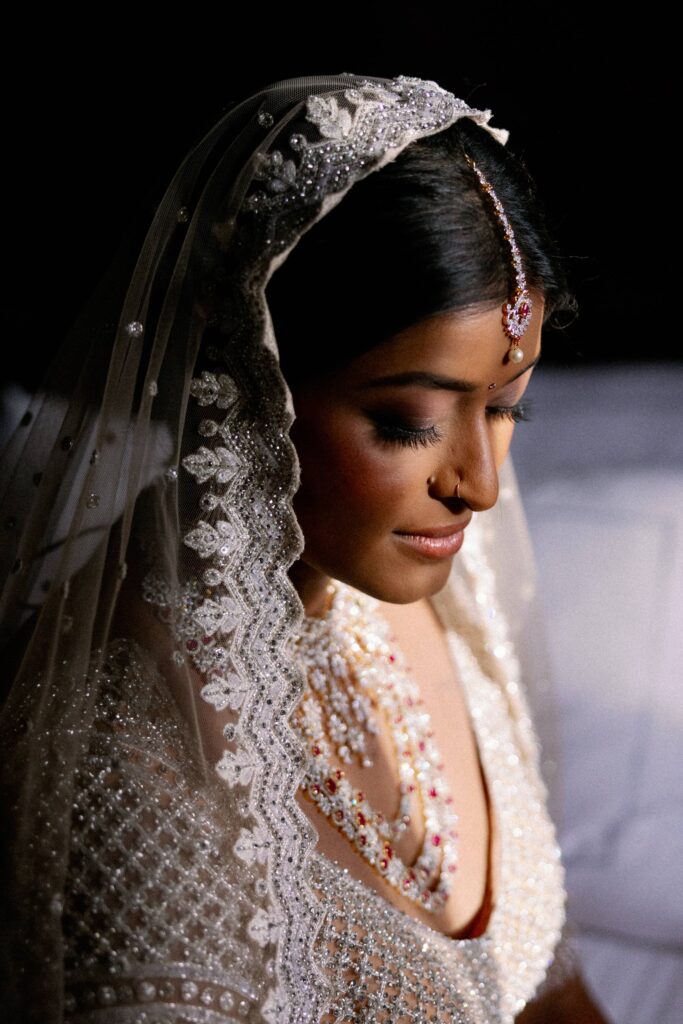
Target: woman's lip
(437,542)
(436,531)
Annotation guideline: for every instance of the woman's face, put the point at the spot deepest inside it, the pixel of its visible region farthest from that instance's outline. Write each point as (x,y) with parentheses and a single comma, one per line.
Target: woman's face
(384,442)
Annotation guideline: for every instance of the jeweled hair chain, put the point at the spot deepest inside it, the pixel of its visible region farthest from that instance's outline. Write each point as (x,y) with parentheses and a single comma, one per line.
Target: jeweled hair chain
(517,311)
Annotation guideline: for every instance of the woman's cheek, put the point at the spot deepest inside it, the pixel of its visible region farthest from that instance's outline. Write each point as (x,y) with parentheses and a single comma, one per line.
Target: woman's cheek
(502,439)
(375,479)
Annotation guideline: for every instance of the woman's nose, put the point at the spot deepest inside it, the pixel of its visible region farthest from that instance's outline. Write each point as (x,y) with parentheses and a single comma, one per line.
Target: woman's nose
(468,472)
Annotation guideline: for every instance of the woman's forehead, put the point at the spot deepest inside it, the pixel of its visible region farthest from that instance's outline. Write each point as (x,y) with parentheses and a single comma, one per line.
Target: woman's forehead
(470,346)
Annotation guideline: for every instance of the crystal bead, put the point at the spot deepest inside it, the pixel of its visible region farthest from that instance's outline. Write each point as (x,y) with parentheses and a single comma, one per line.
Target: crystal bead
(106,995)
(146,991)
(226,1001)
(135,329)
(189,990)
(265,119)
(93,501)
(183,215)
(208,428)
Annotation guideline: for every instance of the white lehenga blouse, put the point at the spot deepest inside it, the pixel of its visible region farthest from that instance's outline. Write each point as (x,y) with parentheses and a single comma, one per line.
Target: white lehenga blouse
(155,931)
(387,966)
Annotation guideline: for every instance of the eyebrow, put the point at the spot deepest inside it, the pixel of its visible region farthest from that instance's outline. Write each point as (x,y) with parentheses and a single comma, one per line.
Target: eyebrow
(422,379)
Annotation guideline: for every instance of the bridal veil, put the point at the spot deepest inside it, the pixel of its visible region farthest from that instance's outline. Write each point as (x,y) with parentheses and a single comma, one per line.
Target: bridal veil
(155,462)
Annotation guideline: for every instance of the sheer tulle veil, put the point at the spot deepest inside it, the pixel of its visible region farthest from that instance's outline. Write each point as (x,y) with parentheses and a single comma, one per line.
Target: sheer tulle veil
(153,471)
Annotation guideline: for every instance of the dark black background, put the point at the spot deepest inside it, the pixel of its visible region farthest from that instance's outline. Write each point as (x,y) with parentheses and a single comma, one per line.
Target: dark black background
(102,110)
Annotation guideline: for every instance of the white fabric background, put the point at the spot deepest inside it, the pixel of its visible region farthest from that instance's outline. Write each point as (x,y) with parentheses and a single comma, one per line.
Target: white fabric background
(600,470)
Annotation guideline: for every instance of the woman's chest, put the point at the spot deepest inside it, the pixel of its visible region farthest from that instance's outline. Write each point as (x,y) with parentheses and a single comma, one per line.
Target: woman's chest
(384,953)
(420,772)
(429,661)
(386,965)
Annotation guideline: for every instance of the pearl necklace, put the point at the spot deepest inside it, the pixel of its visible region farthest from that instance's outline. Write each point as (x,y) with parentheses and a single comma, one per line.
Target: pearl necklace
(351,668)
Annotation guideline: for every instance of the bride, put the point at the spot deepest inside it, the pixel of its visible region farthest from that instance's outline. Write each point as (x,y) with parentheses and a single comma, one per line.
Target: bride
(268,599)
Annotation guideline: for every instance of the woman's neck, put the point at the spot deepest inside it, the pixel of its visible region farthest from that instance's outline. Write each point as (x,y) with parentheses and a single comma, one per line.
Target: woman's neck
(312,587)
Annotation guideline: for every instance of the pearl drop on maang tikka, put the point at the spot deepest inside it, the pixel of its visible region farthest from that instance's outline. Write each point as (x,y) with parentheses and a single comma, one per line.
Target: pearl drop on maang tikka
(517,312)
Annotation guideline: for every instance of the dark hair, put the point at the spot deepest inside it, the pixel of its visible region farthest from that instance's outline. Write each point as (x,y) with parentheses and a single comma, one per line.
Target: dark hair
(413,239)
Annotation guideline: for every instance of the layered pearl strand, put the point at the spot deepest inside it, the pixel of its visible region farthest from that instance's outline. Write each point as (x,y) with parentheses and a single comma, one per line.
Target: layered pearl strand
(352,668)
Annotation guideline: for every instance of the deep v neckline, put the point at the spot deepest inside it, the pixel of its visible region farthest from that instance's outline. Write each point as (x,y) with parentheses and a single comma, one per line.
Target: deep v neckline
(489,904)
(488,909)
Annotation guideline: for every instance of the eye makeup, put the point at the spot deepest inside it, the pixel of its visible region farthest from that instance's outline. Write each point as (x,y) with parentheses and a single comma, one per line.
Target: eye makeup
(395,432)
(517,413)
(395,428)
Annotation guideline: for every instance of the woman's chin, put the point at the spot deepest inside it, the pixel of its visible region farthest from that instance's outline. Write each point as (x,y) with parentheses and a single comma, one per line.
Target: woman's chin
(388,575)
(401,585)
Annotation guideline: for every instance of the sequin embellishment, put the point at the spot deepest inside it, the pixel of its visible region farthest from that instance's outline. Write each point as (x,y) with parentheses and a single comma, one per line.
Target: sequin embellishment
(388,966)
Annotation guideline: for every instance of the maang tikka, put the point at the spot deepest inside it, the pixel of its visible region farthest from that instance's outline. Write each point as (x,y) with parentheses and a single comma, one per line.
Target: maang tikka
(517,311)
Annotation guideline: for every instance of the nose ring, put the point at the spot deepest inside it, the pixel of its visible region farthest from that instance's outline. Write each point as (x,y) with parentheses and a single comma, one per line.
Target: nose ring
(432,480)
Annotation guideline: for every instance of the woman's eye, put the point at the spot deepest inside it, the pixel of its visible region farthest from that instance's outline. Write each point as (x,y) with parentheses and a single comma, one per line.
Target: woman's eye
(393,432)
(516,413)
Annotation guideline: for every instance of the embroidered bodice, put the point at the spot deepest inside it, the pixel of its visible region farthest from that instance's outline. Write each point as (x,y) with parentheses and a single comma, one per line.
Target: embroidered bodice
(156,929)
(389,966)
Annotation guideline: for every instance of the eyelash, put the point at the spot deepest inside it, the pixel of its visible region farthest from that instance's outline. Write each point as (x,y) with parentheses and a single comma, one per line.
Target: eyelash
(516,413)
(410,437)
